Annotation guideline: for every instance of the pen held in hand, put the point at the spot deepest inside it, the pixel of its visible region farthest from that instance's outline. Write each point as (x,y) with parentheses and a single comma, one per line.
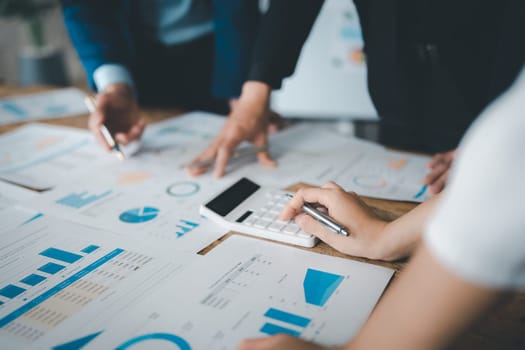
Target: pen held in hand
(90,104)
(324,219)
(240,153)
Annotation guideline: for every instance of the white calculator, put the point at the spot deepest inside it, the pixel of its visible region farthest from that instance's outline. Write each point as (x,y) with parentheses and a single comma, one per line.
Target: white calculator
(249,208)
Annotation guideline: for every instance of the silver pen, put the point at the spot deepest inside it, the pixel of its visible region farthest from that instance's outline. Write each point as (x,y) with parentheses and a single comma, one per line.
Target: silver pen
(90,104)
(322,218)
(239,153)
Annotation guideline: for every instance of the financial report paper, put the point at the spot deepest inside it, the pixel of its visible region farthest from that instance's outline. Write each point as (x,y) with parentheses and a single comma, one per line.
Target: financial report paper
(58,279)
(246,288)
(40,156)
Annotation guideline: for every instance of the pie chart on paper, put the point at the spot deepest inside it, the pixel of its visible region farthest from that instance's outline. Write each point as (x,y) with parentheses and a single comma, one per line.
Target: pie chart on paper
(139,215)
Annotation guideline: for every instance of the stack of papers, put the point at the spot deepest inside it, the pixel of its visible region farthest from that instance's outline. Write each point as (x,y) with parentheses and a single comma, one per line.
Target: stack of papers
(106,257)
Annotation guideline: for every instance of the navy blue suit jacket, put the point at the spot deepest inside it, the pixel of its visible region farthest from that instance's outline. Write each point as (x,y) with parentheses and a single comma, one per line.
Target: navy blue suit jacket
(102,31)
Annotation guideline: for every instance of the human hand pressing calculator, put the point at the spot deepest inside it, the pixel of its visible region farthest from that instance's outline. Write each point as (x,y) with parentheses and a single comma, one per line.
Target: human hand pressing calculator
(248,208)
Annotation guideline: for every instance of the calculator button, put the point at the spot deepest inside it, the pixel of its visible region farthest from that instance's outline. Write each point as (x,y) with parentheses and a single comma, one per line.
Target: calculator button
(279,207)
(269,216)
(266,207)
(257,214)
(276,226)
(250,221)
(275,211)
(261,223)
(291,229)
(303,234)
(282,204)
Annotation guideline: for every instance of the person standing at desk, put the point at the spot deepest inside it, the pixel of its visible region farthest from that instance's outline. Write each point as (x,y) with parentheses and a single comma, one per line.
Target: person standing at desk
(433,65)
(468,241)
(157,53)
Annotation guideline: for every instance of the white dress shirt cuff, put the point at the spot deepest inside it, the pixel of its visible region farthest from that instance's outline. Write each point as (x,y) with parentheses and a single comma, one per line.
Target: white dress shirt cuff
(108,74)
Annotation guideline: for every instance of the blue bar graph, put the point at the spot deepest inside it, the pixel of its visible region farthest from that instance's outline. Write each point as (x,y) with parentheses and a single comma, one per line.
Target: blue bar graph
(189,223)
(90,249)
(51,268)
(79,200)
(184,227)
(287,317)
(61,255)
(272,329)
(33,279)
(319,286)
(10,291)
(58,288)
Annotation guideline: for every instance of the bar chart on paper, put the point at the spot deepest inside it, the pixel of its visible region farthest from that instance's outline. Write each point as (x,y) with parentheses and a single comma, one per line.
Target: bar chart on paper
(248,288)
(31,307)
(280,321)
(82,199)
(185,226)
(58,277)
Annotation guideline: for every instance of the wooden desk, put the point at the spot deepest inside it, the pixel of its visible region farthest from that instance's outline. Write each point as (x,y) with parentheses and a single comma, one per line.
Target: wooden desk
(503,329)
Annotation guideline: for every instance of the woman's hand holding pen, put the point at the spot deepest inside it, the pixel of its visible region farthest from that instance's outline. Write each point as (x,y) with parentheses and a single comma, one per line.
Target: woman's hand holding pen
(439,168)
(365,227)
(117,109)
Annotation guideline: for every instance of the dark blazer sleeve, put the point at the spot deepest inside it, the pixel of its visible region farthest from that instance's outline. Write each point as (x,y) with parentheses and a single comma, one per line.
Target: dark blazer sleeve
(282,33)
(99,30)
(236,24)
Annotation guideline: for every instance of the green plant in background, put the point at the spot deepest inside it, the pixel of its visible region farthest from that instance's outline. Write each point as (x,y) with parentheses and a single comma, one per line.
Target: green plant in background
(31,12)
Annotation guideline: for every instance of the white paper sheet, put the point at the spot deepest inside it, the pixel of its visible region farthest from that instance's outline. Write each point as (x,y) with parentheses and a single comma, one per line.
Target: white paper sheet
(12,216)
(379,173)
(43,105)
(298,151)
(58,279)
(10,195)
(248,288)
(41,156)
(177,141)
(164,210)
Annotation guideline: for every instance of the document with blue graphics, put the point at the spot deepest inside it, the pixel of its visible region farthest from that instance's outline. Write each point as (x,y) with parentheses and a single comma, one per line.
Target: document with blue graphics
(43,105)
(59,280)
(247,288)
(41,156)
(142,204)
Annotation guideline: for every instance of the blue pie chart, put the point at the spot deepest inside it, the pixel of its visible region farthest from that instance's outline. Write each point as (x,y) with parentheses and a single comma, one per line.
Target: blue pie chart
(138,215)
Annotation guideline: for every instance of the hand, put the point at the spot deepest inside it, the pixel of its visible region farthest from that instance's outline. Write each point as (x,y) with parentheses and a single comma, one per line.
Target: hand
(365,227)
(439,168)
(278,342)
(117,109)
(248,121)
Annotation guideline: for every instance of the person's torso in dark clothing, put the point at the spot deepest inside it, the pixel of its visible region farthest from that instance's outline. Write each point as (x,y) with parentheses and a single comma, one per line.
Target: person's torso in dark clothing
(434,65)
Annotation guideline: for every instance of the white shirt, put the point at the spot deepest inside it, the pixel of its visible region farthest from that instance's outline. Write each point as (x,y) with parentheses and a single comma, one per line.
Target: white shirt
(478,229)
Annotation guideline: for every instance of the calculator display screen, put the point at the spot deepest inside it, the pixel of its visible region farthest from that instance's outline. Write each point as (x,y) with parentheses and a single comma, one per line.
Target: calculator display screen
(225,202)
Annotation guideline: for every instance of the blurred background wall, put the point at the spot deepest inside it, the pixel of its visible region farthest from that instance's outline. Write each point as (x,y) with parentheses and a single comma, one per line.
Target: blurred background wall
(14,35)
